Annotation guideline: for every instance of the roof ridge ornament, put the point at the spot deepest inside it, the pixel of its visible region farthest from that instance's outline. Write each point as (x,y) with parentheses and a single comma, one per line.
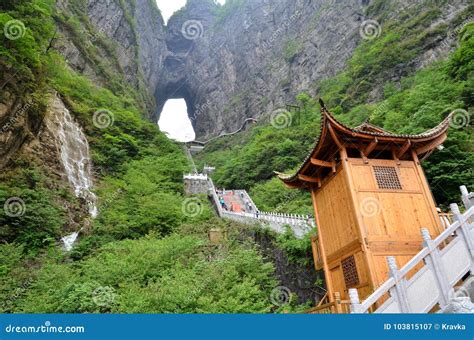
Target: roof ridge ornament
(323,106)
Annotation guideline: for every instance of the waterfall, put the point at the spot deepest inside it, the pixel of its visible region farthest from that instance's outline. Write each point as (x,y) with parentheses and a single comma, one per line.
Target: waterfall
(75,158)
(68,241)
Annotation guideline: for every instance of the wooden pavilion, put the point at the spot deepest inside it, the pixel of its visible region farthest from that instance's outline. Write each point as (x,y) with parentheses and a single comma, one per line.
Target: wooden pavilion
(370,198)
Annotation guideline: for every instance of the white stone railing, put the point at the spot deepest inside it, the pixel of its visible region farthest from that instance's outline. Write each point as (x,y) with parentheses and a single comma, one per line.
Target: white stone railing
(446,260)
(300,224)
(285,218)
(467,197)
(213,195)
(195,176)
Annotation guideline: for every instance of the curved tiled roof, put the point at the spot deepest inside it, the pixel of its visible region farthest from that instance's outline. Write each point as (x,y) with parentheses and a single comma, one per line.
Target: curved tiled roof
(427,134)
(365,131)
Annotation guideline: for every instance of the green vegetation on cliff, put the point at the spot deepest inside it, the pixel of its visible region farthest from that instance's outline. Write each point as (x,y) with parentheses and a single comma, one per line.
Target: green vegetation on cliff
(414,104)
(143,253)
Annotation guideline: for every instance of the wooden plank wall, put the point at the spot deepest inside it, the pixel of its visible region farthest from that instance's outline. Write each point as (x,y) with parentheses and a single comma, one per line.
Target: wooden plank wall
(336,215)
(339,228)
(393,219)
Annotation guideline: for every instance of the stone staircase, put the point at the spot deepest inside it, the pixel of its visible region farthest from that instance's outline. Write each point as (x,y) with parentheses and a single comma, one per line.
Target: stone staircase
(243,207)
(245,210)
(299,224)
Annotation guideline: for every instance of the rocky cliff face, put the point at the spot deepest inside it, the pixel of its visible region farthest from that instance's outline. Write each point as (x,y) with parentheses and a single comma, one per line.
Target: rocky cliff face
(133,55)
(137,29)
(244,59)
(249,58)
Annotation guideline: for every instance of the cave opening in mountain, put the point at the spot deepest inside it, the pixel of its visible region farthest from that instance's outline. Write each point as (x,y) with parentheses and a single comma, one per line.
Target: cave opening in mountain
(175,122)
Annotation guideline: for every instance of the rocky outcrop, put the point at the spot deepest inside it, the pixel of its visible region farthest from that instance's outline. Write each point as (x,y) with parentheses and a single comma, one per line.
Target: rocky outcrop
(27,129)
(136,30)
(73,148)
(241,61)
(19,120)
(247,58)
(296,277)
(244,59)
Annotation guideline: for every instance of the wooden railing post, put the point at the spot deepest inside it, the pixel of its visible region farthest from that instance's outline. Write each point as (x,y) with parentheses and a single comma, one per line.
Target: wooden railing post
(433,259)
(399,291)
(355,302)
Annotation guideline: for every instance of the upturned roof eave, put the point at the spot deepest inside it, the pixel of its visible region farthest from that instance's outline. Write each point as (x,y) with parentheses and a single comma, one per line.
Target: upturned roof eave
(327,117)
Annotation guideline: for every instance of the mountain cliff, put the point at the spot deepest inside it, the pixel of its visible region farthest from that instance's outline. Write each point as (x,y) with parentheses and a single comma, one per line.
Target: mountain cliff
(243,59)
(83,83)
(229,62)
(249,58)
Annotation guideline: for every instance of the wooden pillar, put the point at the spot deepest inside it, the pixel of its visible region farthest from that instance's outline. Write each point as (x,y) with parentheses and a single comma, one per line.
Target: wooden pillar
(337,300)
(327,273)
(361,229)
(424,182)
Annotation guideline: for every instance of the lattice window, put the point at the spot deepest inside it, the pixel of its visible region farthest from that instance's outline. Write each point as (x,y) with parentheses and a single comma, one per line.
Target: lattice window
(387,177)
(349,271)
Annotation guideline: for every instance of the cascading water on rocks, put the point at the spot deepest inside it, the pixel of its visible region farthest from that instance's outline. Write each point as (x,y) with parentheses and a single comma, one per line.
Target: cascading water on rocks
(75,158)
(68,241)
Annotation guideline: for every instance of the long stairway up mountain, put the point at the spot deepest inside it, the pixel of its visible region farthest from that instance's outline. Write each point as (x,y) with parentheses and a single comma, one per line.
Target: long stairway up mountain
(239,206)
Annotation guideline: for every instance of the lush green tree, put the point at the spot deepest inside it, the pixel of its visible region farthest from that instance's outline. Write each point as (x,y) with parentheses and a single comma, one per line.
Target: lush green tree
(174,274)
